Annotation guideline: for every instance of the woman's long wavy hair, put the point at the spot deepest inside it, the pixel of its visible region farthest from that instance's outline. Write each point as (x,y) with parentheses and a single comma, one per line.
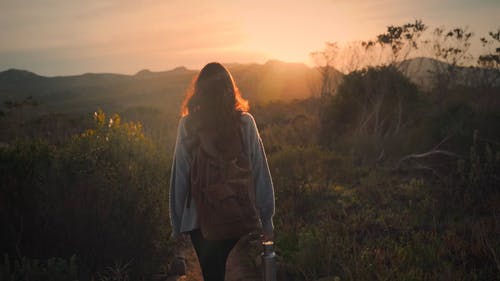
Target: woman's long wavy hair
(213,101)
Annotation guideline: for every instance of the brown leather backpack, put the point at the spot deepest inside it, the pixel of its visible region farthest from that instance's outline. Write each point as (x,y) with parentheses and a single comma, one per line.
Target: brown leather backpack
(223,189)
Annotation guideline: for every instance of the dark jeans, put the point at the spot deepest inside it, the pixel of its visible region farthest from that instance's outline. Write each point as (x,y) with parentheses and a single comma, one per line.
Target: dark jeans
(212,255)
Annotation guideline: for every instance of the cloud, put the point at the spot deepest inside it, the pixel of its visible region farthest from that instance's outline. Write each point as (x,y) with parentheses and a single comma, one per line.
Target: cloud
(62,35)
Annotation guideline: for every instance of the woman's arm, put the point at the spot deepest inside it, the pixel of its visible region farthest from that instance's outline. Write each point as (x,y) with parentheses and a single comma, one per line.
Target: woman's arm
(179,179)
(264,190)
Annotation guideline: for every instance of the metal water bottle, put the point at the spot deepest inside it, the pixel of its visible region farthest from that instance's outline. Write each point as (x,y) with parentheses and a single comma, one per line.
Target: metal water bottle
(268,261)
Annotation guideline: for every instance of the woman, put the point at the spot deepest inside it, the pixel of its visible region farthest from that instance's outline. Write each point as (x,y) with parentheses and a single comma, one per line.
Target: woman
(215,105)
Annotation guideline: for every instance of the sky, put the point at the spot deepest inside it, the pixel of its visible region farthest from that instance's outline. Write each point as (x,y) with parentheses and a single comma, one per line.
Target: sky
(68,37)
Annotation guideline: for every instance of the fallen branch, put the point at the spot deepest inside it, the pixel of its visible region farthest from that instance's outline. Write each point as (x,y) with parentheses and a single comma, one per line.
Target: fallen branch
(433,151)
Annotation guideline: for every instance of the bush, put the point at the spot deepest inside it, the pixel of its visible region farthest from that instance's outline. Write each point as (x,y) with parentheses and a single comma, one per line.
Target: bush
(370,102)
(102,195)
(54,269)
(389,227)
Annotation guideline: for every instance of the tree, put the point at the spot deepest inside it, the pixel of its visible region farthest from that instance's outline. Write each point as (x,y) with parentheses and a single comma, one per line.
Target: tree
(490,61)
(452,47)
(401,40)
(325,61)
(375,102)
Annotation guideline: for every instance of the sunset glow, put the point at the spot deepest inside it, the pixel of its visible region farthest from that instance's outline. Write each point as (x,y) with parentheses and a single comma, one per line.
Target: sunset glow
(71,37)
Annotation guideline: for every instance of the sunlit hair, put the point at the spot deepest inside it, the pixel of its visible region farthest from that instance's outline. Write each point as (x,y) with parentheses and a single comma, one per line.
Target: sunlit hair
(214,104)
(213,89)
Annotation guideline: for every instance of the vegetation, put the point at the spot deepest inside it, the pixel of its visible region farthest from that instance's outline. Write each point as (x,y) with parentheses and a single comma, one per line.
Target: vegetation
(385,177)
(101,196)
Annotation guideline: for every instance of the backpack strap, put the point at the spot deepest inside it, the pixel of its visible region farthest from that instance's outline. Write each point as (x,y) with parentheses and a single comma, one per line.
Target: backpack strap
(196,150)
(241,141)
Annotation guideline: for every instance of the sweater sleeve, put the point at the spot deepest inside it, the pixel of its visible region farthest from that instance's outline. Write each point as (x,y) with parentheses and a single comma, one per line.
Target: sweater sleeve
(178,180)
(264,191)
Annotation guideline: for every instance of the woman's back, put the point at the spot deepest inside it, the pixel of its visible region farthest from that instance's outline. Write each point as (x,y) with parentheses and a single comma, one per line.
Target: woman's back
(215,116)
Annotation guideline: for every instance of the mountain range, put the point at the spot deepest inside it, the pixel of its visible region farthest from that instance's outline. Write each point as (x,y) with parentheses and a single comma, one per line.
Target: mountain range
(163,90)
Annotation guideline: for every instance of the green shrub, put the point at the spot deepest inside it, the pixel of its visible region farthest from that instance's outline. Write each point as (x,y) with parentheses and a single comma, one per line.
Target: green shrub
(102,195)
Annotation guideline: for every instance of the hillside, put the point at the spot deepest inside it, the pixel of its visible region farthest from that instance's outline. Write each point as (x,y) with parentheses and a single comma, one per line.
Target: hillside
(424,71)
(163,90)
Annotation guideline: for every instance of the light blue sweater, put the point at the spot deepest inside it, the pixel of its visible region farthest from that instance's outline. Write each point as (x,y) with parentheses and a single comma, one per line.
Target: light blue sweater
(185,219)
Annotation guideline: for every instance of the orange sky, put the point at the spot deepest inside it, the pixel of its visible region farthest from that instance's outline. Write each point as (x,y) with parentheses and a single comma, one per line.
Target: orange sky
(53,37)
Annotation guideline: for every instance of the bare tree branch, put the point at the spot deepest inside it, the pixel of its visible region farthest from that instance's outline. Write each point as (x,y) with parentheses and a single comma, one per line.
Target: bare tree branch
(433,151)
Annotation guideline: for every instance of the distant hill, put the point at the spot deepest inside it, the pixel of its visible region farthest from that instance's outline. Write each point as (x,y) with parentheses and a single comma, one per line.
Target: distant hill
(163,90)
(422,71)
(87,92)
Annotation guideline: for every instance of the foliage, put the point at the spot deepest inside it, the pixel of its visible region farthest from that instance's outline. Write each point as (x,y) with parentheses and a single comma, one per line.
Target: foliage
(56,269)
(102,195)
(345,207)
(294,123)
(374,103)
(490,59)
(303,175)
(388,228)
(401,40)
(339,217)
